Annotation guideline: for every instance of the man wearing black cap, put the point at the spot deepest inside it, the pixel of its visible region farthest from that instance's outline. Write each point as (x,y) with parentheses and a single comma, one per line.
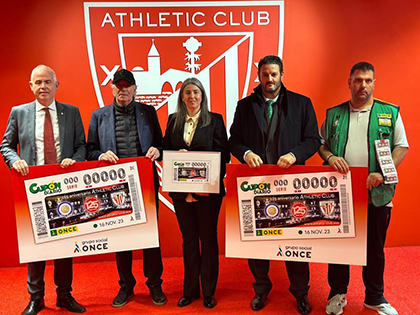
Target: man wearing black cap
(125,129)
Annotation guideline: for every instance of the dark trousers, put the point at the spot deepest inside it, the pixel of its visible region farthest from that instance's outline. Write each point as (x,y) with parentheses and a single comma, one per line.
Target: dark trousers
(152,268)
(198,223)
(152,258)
(63,277)
(298,273)
(373,272)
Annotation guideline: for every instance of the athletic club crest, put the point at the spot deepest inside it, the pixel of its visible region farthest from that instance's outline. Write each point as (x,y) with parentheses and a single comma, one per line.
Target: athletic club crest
(327,207)
(118,199)
(164,43)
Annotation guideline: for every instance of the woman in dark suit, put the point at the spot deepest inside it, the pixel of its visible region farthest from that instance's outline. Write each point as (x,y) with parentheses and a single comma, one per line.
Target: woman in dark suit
(193,128)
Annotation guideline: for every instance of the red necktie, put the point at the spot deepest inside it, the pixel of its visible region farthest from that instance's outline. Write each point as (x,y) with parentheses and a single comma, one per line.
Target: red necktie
(50,154)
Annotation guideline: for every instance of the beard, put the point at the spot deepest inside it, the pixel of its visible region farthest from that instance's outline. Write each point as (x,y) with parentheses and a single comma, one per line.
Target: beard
(271,87)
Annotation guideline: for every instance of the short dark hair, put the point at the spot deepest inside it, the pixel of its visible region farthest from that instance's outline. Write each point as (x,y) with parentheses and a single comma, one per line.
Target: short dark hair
(363,66)
(270,60)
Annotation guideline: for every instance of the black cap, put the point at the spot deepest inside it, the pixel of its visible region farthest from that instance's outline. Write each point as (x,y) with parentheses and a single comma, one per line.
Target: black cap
(124,74)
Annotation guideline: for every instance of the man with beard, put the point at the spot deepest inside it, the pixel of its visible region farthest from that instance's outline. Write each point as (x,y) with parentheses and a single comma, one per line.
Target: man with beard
(275,126)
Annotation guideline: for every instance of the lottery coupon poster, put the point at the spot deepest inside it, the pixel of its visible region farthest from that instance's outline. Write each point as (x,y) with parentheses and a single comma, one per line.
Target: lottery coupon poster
(304,213)
(89,208)
(191,171)
(296,206)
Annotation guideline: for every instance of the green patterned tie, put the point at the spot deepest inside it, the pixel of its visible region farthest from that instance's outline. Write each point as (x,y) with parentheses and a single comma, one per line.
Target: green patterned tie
(270,110)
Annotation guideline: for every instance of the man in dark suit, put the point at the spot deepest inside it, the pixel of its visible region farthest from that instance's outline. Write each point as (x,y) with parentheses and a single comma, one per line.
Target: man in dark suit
(47,132)
(125,129)
(275,126)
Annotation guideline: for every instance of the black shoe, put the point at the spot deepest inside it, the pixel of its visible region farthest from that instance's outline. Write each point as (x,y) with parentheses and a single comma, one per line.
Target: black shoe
(303,305)
(158,297)
(70,304)
(34,306)
(122,297)
(209,302)
(184,301)
(258,301)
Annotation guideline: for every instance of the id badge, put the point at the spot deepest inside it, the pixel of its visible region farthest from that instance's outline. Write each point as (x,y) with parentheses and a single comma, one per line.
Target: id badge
(384,157)
(385,120)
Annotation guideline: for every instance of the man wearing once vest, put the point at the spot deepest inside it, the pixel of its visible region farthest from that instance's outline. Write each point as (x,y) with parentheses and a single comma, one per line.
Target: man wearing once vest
(357,133)
(126,129)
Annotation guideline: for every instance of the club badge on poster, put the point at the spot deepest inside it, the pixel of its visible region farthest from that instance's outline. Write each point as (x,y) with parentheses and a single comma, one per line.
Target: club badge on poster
(191,171)
(87,209)
(77,203)
(309,205)
(303,213)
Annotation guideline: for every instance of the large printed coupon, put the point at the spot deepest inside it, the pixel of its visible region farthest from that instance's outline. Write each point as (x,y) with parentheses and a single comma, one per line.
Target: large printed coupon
(77,203)
(296,206)
(191,171)
(303,213)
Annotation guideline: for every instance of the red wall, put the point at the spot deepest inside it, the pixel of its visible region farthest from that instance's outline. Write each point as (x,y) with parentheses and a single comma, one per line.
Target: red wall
(323,39)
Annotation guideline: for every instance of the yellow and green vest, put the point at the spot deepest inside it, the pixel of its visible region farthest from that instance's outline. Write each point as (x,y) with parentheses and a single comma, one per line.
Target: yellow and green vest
(381,126)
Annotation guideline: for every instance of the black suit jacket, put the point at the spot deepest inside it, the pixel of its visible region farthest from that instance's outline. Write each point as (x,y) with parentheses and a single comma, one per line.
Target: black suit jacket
(212,137)
(298,127)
